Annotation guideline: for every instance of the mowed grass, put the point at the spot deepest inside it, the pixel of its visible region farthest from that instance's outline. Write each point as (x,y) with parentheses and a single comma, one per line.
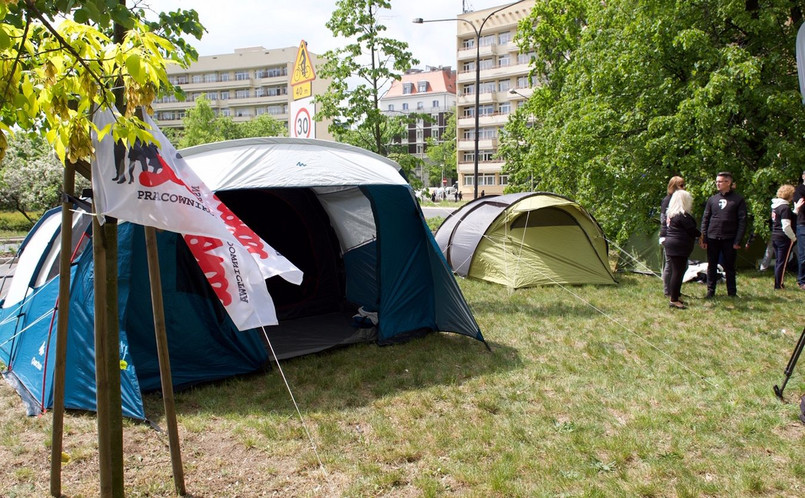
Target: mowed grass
(587,391)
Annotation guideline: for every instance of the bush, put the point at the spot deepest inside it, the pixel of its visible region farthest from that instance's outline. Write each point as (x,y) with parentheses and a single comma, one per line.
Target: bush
(12,221)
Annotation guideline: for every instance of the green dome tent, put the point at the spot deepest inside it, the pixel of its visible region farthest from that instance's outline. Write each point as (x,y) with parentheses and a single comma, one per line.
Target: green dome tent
(526,239)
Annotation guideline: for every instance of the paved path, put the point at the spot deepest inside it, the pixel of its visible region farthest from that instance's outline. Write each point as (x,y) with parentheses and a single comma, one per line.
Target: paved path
(434,212)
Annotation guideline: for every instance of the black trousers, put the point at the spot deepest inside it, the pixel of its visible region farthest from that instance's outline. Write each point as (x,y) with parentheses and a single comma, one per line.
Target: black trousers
(782,250)
(678,266)
(721,251)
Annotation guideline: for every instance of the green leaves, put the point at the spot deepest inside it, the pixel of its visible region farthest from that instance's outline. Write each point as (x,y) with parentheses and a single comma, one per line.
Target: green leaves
(640,90)
(54,75)
(374,61)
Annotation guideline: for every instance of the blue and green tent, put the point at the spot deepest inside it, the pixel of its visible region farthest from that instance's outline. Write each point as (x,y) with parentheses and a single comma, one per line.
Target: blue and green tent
(346,217)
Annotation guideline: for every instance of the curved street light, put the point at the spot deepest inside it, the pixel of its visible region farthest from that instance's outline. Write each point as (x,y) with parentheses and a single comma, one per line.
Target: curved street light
(477,31)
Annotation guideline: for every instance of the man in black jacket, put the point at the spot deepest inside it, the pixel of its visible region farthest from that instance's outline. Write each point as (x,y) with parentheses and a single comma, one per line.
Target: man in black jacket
(723,227)
(799,198)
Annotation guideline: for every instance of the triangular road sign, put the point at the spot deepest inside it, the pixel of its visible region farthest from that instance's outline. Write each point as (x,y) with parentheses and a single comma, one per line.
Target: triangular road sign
(303,67)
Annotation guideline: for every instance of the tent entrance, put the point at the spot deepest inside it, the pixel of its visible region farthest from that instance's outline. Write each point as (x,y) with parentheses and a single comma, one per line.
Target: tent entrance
(316,314)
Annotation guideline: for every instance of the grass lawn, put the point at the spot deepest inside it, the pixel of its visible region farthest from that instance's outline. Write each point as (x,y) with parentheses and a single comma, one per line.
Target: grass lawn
(587,391)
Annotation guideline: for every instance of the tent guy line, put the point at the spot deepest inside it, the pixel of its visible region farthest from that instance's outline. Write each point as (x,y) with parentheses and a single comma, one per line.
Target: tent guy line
(635,260)
(295,404)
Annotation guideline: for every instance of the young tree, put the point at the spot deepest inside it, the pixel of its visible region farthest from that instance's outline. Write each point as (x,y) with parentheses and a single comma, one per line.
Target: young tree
(202,126)
(442,154)
(262,126)
(52,75)
(636,91)
(371,59)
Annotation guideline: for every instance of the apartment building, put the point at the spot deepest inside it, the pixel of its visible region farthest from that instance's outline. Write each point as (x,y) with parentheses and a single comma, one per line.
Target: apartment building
(430,92)
(504,86)
(243,85)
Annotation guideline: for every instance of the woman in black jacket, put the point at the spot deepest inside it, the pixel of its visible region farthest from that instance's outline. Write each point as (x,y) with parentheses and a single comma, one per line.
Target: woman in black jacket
(681,233)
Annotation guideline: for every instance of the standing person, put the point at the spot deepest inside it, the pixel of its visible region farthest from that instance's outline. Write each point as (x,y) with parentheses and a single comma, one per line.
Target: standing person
(799,198)
(723,227)
(680,235)
(782,233)
(674,184)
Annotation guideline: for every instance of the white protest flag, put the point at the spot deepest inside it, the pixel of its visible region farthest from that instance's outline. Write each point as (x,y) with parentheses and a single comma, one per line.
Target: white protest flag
(153,186)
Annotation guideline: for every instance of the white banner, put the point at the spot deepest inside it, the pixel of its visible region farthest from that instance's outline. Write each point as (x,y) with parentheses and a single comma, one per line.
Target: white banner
(153,186)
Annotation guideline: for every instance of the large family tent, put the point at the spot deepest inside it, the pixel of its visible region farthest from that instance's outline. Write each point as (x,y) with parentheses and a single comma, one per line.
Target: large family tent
(525,239)
(344,216)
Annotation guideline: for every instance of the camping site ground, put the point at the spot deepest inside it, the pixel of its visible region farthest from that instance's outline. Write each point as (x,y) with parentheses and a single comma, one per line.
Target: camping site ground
(587,391)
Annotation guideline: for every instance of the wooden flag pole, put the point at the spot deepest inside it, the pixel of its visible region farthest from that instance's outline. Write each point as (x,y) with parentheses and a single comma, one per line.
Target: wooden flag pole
(164,358)
(61,330)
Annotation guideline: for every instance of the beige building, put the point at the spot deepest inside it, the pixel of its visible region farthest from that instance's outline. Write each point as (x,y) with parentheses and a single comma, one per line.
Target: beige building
(504,85)
(430,92)
(243,85)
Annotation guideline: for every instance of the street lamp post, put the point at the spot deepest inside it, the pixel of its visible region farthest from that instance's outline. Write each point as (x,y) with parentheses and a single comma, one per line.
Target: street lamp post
(477,31)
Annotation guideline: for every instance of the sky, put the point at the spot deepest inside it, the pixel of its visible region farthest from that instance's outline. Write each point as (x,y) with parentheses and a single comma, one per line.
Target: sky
(278,24)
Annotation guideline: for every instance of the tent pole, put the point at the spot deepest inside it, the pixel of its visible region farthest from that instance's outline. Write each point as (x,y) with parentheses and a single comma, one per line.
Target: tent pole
(61,331)
(164,358)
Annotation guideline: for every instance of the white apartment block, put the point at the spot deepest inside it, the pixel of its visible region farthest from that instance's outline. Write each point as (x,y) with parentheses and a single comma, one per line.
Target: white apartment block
(243,85)
(504,85)
(429,92)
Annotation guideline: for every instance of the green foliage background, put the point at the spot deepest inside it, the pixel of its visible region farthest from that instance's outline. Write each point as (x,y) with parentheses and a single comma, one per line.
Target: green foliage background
(636,91)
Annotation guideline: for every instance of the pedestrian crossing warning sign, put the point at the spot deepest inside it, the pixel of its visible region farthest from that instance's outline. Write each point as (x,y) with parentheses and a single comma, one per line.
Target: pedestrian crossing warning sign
(303,67)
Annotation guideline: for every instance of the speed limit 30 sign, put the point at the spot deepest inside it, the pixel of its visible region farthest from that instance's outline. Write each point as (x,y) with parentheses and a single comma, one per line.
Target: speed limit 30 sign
(302,124)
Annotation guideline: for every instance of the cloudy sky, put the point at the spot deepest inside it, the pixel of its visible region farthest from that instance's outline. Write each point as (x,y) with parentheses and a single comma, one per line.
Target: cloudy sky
(273,24)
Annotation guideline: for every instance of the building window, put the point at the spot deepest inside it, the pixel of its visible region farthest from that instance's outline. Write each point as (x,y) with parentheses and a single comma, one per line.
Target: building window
(487,155)
(504,85)
(224,95)
(488,133)
(468,66)
(487,41)
(504,60)
(408,88)
(486,110)
(241,75)
(469,157)
(487,64)
(504,38)
(259,92)
(391,107)
(486,179)
(469,89)
(488,87)
(224,76)
(469,181)
(226,112)
(420,106)
(468,112)
(525,58)
(277,109)
(241,94)
(505,108)
(435,104)
(468,43)
(405,106)
(197,78)
(422,86)
(504,179)
(210,78)
(469,134)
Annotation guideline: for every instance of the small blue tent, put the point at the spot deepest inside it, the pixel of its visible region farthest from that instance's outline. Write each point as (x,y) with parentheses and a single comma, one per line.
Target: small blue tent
(344,216)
